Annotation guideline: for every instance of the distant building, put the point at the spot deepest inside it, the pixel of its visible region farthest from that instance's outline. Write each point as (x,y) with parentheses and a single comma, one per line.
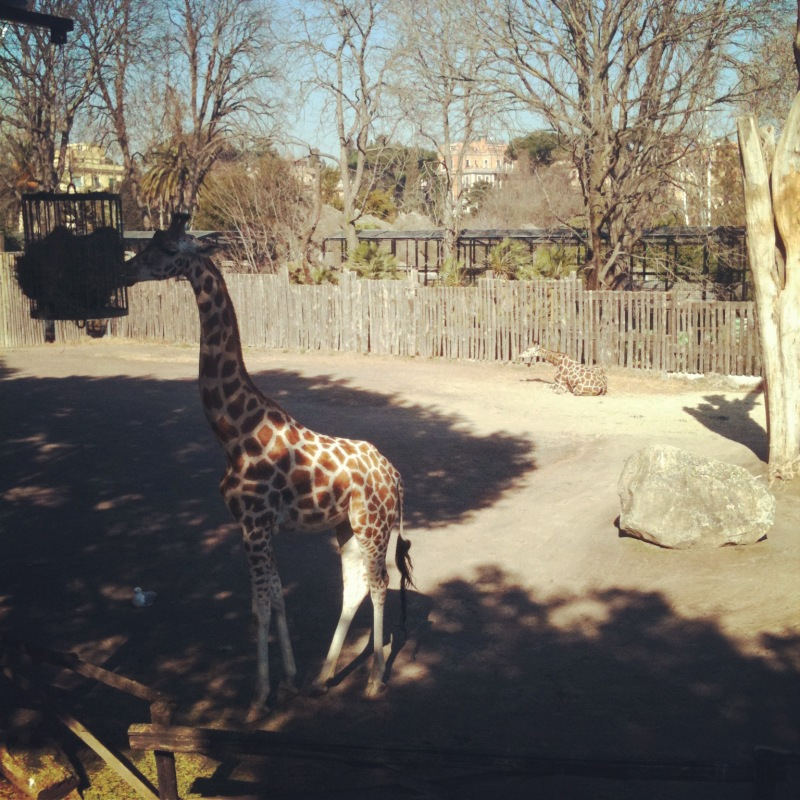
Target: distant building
(476,162)
(89,169)
(306,169)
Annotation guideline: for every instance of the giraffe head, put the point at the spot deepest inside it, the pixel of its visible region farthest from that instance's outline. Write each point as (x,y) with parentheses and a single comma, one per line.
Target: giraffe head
(532,352)
(169,254)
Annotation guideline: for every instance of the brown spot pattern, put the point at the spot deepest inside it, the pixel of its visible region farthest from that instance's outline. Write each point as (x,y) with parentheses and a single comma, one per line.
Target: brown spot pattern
(280,474)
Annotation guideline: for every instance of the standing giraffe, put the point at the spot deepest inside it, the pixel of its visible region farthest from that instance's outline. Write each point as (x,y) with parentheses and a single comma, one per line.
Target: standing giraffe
(281,475)
(571,375)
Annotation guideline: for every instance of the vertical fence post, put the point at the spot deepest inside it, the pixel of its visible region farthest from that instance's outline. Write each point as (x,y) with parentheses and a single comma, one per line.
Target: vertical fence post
(161,714)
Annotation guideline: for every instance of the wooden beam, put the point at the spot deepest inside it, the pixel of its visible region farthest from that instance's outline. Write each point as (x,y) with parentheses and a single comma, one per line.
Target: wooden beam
(220,742)
(59,26)
(33,653)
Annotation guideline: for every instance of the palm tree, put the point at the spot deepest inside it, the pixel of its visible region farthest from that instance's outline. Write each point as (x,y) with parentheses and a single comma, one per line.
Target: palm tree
(164,183)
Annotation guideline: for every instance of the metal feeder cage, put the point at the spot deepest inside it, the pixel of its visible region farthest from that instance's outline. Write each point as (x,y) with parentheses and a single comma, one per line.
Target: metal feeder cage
(74,257)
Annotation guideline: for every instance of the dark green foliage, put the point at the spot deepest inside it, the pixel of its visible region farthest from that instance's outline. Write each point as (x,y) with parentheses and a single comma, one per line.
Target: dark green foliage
(369,261)
(542,148)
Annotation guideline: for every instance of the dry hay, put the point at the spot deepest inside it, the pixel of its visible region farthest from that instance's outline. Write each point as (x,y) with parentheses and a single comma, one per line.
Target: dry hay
(72,277)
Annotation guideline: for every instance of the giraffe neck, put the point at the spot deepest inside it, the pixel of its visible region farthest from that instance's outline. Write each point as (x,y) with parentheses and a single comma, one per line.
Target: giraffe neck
(553,356)
(228,394)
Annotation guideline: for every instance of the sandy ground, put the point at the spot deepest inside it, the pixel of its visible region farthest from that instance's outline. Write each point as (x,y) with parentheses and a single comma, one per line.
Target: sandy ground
(534,626)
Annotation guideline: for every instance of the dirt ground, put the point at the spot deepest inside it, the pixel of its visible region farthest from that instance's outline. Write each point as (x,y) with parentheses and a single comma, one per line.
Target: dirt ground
(534,628)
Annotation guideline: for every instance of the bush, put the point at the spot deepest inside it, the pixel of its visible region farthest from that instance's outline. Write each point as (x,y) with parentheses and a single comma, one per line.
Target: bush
(508,258)
(453,272)
(553,261)
(369,261)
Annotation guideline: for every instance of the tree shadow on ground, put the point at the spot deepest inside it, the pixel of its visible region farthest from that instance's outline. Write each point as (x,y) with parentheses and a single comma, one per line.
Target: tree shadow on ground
(731,418)
(491,666)
(111,483)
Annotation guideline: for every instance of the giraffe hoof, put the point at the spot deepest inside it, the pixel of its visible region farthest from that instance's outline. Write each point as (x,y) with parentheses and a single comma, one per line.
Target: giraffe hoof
(318,688)
(288,689)
(375,688)
(256,713)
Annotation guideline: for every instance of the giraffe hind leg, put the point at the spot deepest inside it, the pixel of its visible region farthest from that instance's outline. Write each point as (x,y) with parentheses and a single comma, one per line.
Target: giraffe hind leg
(376,684)
(355,587)
(374,555)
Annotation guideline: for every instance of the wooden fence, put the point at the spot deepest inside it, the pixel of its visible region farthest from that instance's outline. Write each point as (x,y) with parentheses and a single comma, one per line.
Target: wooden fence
(493,321)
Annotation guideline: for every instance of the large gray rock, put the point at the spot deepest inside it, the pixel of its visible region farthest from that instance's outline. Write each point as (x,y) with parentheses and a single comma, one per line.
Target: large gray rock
(679,500)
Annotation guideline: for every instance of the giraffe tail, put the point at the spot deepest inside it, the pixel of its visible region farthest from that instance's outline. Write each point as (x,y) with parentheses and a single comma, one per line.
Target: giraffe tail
(403,559)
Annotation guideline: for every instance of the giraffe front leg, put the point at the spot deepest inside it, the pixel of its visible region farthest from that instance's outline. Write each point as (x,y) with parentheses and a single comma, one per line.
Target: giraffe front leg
(263,615)
(267,594)
(560,382)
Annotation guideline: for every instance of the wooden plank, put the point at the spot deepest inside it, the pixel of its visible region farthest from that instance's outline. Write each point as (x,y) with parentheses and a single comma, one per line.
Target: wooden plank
(29,653)
(227,743)
(161,714)
(34,763)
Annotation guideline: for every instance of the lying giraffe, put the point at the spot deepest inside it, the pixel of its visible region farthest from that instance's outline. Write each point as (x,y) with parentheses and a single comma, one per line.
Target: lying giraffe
(571,376)
(281,475)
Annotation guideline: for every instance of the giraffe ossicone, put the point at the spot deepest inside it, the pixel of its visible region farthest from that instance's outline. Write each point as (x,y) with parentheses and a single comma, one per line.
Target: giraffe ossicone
(280,475)
(571,375)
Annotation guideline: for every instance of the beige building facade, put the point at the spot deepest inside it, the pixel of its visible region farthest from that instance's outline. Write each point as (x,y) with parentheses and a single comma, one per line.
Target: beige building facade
(481,161)
(89,169)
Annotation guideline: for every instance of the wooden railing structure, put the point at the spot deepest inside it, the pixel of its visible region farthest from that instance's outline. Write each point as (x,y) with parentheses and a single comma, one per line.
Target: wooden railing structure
(494,320)
(763,771)
(16,659)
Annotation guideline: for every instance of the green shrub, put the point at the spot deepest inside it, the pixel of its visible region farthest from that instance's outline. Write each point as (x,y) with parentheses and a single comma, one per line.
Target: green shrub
(323,274)
(453,272)
(369,261)
(508,258)
(314,275)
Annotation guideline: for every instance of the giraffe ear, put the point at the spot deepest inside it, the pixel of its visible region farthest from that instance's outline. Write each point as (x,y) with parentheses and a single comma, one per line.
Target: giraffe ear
(208,244)
(207,247)
(177,226)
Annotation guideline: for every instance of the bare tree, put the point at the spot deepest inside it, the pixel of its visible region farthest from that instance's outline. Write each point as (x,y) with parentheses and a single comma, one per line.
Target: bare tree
(627,83)
(345,55)
(438,81)
(772,206)
(272,208)
(773,88)
(542,198)
(120,36)
(214,60)
(42,89)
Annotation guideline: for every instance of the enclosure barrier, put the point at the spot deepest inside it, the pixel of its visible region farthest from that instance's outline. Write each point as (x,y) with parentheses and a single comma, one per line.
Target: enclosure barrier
(766,768)
(16,654)
(495,320)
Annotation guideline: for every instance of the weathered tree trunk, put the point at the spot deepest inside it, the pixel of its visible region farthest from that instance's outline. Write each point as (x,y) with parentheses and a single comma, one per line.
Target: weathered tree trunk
(773,234)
